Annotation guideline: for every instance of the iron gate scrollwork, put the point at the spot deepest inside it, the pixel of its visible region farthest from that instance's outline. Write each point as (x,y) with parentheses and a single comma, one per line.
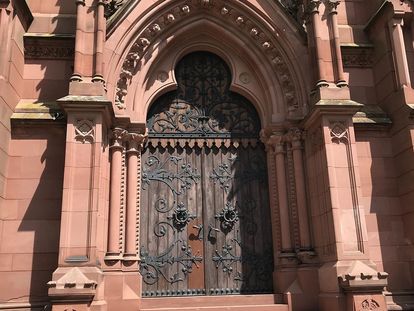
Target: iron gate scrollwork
(203,105)
(207,227)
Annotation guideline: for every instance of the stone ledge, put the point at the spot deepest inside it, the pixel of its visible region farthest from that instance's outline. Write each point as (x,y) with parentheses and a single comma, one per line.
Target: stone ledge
(26,111)
(371,114)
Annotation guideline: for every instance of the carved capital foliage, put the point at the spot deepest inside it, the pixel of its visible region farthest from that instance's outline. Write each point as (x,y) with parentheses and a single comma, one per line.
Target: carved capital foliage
(313,6)
(118,136)
(135,141)
(84,131)
(258,34)
(332,6)
(294,136)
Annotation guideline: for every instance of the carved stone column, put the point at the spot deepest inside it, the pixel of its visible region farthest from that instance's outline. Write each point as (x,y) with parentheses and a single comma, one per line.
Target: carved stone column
(135,143)
(400,55)
(337,54)
(314,20)
(114,249)
(278,145)
(80,19)
(100,41)
(295,138)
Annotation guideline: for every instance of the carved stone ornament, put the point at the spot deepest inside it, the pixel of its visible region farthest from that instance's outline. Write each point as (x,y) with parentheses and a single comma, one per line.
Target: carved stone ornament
(112,6)
(369,304)
(339,133)
(332,5)
(84,131)
(118,135)
(150,32)
(360,275)
(74,278)
(53,47)
(357,57)
(135,141)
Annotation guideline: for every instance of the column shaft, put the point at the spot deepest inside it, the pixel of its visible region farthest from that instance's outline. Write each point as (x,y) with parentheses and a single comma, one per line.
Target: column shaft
(301,201)
(115,196)
(283,198)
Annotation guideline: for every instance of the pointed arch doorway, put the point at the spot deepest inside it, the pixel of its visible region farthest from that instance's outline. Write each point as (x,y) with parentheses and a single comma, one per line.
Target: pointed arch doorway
(205,216)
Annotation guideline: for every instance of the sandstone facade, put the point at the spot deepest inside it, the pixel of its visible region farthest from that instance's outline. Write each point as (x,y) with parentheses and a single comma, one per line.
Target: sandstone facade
(331,83)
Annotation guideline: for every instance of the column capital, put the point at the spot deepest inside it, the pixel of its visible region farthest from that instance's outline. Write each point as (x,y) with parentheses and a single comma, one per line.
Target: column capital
(274,141)
(397,19)
(332,6)
(135,141)
(313,6)
(295,137)
(118,136)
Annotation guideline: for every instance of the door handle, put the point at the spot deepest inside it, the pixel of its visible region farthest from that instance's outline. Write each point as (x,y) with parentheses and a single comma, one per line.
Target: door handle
(200,232)
(210,230)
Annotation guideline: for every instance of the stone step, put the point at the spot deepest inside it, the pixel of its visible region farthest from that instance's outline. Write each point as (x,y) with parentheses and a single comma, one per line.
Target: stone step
(215,303)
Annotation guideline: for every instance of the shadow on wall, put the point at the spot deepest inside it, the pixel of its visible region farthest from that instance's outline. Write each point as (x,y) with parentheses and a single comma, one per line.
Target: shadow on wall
(41,163)
(40,154)
(51,74)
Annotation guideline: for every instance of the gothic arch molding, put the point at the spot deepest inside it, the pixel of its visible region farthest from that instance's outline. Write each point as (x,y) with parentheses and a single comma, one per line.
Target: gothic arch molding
(165,62)
(262,45)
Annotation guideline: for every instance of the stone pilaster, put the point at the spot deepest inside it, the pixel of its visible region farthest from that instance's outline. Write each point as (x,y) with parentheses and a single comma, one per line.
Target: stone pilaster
(78,277)
(337,217)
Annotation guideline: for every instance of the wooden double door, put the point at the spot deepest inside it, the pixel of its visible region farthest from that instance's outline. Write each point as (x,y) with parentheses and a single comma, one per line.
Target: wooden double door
(205,221)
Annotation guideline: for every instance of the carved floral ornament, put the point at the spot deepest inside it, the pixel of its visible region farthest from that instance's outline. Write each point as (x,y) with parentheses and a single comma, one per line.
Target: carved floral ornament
(135,140)
(258,33)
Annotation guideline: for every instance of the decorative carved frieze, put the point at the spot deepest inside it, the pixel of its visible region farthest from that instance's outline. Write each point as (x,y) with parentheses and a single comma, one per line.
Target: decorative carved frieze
(49,47)
(153,29)
(357,57)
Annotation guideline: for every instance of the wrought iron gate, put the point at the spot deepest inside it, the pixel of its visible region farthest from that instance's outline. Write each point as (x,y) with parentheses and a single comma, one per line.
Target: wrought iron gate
(205,220)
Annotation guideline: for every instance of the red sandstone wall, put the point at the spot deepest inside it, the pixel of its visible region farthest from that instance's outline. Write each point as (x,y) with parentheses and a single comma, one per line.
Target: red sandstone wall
(11,73)
(388,246)
(31,160)
(31,219)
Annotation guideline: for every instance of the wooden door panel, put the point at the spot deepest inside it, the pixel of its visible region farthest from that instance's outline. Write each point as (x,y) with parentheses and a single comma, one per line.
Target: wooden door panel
(205,220)
(242,251)
(170,183)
